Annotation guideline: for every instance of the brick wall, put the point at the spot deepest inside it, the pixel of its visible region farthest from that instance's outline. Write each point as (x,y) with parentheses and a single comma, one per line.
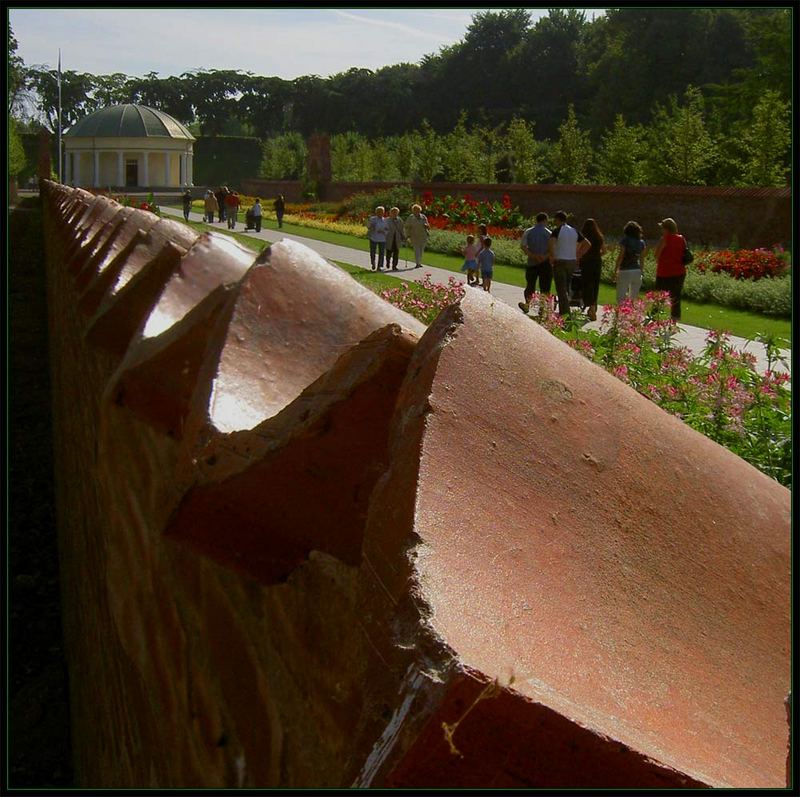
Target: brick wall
(750,216)
(280,569)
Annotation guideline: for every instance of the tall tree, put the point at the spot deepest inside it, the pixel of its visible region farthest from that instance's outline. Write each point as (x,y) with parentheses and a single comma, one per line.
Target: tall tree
(621,159)
(767,141)
(16,152)
(572,156)
(523,155)
(682,151)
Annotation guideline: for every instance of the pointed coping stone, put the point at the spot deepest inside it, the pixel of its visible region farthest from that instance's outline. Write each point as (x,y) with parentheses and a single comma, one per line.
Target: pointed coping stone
(291,318)
(145,271)
(301,480)
(102,271)
(556,528)
(159,372)
(84,245)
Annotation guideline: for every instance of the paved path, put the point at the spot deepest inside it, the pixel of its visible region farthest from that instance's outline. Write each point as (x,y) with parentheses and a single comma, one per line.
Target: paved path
(693,338)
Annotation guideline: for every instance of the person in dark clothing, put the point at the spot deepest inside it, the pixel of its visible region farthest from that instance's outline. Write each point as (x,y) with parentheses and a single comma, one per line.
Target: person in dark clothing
(187,203)
(591,264)
(220,194)
(280,206)
(535,243)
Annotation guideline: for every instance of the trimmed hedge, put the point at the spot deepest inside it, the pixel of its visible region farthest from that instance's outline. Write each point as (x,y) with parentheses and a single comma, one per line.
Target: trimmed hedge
(226,160)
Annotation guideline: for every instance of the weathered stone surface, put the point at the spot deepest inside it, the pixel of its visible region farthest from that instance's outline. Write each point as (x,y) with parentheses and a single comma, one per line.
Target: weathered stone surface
(592,555)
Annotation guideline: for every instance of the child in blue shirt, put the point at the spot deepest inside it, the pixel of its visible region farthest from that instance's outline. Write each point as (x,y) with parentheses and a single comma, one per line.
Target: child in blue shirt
(486,263)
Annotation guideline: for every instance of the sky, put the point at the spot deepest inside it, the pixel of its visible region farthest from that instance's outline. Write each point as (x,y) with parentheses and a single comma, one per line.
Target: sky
(282,42)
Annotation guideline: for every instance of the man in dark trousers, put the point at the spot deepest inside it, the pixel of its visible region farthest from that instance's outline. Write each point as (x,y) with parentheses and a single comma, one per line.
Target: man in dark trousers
(280,206)
(220,195)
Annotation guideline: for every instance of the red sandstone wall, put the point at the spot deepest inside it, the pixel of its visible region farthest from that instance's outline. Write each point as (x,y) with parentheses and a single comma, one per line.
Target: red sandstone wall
(716,216)
(298,552)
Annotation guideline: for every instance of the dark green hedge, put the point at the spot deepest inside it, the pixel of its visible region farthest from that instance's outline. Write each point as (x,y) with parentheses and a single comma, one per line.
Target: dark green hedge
(30,143)
(225,160)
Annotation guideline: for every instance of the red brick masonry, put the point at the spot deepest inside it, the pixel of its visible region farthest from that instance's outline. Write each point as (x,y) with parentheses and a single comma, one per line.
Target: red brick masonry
(751,217)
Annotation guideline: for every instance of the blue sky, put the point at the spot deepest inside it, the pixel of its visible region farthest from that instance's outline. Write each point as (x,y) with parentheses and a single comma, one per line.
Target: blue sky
(269,41)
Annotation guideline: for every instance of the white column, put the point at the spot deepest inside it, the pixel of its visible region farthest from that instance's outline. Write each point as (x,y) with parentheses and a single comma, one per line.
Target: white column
(167,175)
(189,180)
(182,169)
(120,169)
(145,172)
(67,167)
(77,176)
(96,168)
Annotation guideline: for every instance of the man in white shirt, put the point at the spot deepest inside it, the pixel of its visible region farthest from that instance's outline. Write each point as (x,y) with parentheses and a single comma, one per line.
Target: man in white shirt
(565,248)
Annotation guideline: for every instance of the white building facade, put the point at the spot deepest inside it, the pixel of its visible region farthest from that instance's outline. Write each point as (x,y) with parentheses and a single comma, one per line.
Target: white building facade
(127,147)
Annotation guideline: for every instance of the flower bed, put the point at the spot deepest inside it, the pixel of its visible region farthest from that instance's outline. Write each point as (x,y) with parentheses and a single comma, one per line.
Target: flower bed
(466,210)
(744,264)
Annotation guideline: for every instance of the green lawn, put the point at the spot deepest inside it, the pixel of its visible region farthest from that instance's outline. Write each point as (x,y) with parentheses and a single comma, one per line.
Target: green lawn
(707,316)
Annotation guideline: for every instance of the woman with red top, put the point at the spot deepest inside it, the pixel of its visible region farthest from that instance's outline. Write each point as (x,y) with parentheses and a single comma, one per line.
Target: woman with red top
(670,269)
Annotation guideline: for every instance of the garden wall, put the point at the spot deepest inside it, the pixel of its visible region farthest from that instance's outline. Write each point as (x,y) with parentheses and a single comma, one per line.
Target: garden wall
(752,217)
(279,571)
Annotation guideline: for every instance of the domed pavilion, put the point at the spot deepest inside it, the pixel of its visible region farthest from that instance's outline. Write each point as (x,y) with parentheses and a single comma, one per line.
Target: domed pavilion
(128,146)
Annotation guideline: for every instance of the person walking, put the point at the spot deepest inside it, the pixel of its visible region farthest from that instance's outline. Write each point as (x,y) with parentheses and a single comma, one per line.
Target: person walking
(377,227)
(670,265)
(232,203)
(220,195)
(486,263)
(395,238)
(416,231)
(565,247)
(210,205)
(470,252)
(535,242)
(256,213)
(187,204)
(591,264)
(280,207)
(630,261)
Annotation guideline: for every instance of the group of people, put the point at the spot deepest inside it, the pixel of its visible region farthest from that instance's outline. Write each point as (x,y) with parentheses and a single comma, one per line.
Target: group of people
(225,204)
(387,234)
(554,254)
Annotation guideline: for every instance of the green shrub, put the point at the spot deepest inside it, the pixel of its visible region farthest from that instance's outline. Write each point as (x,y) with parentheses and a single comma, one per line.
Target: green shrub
(360,204)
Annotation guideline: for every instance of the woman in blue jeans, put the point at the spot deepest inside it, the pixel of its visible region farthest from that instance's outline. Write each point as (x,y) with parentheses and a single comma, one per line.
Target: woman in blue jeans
(630,262)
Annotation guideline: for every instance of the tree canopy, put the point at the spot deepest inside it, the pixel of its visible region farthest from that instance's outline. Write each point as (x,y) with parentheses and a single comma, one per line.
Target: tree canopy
(620,73)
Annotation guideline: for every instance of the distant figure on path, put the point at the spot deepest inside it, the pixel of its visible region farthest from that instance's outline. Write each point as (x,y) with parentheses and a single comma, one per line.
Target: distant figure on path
(486,263)
(566,245)
(187,203)
(630,262)
(220,195)
(591,264)
(256,213)
(416,230)
(377,227)
(280,207)
(535,243)
(211,206)
(232,203)
(395,238)
(670,268)
(471,251)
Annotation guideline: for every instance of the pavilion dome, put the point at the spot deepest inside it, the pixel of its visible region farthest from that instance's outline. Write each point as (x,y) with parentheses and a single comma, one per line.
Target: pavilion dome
(129,121)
